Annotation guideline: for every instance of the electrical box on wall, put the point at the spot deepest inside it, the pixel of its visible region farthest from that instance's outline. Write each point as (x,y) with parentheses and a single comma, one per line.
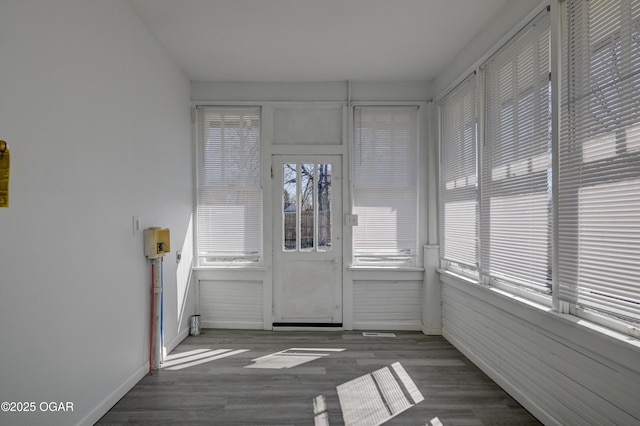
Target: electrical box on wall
(156,242)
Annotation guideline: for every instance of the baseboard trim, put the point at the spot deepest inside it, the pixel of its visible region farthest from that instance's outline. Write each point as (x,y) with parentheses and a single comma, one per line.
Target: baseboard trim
(111,400)
(397,326)
(240,325)
(308,324)
(176,341)
(431,331)
(103,408)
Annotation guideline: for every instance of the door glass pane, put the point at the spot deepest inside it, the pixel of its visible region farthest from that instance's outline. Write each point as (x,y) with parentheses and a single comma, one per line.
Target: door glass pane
(324,207)
(289,209)
(307,204)
(306,207)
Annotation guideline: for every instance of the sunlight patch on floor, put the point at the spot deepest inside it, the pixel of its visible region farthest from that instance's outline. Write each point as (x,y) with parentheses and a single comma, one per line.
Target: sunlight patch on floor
(375,398)
(195,357)
(291,357)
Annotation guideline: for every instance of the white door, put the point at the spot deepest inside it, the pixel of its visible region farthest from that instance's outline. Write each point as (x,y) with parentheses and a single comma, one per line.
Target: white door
(307,243)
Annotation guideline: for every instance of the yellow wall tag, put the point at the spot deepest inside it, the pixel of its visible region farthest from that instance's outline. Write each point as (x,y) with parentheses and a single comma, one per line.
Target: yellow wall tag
(4,174)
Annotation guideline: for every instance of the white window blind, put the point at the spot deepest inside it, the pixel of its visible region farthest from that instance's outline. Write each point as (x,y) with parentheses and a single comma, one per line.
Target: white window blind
(385,180)
(229,190)
(458,177)
(599,158)
(515,160)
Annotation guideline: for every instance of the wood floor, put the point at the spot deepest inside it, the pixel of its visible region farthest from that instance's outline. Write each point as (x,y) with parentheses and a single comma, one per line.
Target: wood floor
(238,377)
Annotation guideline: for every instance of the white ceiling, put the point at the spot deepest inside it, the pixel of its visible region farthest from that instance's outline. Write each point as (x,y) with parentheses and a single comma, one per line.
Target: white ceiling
(315,40)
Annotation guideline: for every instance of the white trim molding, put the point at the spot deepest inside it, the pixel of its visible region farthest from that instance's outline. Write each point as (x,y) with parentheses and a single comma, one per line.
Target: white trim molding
(431,296)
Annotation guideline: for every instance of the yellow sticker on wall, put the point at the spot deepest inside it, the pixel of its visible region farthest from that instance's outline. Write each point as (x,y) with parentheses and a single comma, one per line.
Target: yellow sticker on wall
(4,174)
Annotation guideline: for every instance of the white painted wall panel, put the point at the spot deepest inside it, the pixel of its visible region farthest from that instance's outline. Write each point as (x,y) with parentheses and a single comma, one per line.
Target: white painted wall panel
(560,372)
(387,305)
(231,304)
(97,118)
(310,91)
(500,29)
(308,125)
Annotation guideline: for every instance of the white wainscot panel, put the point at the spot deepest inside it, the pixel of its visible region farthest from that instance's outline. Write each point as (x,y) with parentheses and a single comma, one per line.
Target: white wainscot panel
(562,371)
(231,304)
(387,305)
(307,125)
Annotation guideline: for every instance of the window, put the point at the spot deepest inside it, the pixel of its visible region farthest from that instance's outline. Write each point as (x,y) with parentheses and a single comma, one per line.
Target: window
(306,207)
(594,197)
(385,185)
(229,190)
(458,177)
(515,207)
(599,158)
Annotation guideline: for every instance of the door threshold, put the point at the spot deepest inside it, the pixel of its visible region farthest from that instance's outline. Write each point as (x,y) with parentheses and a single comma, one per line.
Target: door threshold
(306,326)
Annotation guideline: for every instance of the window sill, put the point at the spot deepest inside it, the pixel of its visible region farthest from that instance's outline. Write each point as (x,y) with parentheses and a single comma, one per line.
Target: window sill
(569,328)
(229,266)
(222,273)
(386,268)
(386,273)
(460,277)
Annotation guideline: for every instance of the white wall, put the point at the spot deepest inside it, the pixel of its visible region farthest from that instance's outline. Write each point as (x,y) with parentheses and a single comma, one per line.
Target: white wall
(97,118)
(501,26)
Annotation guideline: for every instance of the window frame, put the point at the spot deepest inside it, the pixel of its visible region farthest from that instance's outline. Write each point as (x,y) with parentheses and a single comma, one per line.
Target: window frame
(244,261)
(469,82)
(382,260)
(568,300)
(504,187)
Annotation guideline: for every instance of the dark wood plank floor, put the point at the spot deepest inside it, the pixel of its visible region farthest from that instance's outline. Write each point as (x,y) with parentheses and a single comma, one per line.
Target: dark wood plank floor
(206,380)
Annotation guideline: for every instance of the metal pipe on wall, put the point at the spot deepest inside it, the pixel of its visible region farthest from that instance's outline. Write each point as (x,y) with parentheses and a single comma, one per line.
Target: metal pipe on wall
(156,344)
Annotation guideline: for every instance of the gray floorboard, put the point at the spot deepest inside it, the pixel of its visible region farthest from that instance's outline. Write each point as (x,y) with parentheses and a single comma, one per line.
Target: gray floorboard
(223,391)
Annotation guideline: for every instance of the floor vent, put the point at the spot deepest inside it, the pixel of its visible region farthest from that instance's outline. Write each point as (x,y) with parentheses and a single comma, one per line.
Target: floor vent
(374,334)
